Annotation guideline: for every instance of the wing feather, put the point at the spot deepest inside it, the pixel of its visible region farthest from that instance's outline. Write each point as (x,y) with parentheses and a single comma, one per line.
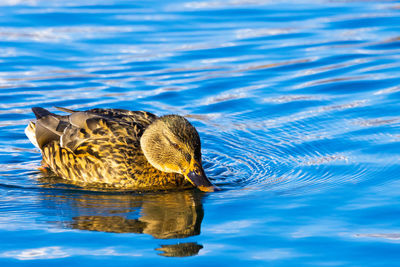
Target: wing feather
(80,127)
(49,127)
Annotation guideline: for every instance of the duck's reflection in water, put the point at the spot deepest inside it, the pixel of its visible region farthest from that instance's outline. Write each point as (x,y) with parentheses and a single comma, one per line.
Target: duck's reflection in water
(180,249)
(163,215)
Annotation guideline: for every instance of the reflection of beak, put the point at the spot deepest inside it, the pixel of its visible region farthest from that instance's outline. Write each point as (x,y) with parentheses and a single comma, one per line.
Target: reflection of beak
(198,178)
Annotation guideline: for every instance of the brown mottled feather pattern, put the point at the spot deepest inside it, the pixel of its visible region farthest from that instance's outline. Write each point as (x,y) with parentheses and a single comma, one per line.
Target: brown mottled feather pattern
(102,146)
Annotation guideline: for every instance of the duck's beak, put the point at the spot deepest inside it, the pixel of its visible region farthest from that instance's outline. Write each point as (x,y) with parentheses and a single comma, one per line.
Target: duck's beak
(198,178)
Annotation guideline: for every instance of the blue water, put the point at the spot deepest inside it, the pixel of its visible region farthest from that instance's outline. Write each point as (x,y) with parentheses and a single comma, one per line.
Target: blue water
(297,105)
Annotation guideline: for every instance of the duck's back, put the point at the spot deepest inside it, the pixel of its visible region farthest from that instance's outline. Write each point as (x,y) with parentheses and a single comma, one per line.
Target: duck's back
(98,146)
(141,118)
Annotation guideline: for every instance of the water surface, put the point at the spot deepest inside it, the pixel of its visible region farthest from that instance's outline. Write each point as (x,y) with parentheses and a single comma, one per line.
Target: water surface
(296,103)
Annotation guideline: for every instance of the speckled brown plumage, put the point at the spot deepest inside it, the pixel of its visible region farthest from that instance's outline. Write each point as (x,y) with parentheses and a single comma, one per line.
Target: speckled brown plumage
(100,147)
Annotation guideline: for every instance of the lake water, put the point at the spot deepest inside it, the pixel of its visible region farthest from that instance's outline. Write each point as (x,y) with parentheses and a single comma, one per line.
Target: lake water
(297,105)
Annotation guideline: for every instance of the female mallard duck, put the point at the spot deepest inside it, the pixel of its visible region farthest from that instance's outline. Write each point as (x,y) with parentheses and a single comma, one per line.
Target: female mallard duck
(120,148)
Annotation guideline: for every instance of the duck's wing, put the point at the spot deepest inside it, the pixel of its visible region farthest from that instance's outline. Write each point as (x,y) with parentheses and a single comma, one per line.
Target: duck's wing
(84,126)
(129,116)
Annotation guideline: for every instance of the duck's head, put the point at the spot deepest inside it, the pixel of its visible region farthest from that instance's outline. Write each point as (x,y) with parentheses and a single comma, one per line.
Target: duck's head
(172,144)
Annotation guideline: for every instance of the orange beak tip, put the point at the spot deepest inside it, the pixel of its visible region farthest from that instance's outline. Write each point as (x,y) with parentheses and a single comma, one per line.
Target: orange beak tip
(212,188)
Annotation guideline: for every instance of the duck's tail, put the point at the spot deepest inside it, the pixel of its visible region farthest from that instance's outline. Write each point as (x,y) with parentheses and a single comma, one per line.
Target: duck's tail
(30,132)
(41,112)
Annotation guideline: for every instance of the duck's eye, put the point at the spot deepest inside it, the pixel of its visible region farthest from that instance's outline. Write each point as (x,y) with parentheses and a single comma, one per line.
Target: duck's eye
(175,145)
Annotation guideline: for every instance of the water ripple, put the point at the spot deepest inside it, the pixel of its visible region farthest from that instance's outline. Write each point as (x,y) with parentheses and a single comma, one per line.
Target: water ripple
(282,101)
(296,103)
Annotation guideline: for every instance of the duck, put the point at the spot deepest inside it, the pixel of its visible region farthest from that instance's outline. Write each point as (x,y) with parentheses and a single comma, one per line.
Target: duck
(119,149)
